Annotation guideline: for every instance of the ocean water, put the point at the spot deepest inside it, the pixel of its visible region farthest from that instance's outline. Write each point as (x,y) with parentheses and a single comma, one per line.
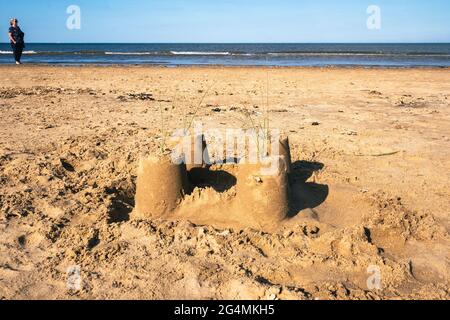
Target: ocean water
(367,55)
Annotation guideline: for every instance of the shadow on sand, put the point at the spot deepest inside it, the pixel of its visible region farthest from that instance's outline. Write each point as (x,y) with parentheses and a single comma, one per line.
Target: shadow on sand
(305,194)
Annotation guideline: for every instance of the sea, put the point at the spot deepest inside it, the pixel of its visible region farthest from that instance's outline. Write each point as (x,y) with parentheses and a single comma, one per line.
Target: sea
(258,54)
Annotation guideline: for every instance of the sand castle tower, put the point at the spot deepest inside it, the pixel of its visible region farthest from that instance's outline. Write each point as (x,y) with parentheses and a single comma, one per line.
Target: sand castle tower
(160,187)
(262,192)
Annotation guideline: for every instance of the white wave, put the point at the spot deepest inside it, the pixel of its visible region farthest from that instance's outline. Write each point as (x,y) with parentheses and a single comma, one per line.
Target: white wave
(202,53)
(314,54)
(244,54)
(130,53)
(25,52)
(282,54)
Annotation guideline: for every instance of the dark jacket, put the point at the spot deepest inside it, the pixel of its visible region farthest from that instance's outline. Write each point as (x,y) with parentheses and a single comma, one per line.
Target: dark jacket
(18,35)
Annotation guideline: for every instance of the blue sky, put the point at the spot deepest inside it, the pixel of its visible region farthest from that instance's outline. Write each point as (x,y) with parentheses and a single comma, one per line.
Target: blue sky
(230,20)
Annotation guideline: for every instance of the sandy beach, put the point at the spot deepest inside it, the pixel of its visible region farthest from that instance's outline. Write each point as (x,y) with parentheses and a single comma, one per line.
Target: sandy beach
(370,178)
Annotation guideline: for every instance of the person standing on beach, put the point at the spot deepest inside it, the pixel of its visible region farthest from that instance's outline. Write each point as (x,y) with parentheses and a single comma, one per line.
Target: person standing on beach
(16,36)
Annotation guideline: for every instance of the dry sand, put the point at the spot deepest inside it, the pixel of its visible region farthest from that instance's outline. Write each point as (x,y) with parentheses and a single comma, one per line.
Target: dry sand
(370,184)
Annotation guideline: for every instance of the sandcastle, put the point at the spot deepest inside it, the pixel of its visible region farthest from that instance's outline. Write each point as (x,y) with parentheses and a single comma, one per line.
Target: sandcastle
(263,193)
(160,187)
(260,200)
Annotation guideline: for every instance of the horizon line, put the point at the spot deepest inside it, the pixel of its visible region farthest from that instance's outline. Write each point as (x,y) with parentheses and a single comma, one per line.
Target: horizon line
(392,42)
